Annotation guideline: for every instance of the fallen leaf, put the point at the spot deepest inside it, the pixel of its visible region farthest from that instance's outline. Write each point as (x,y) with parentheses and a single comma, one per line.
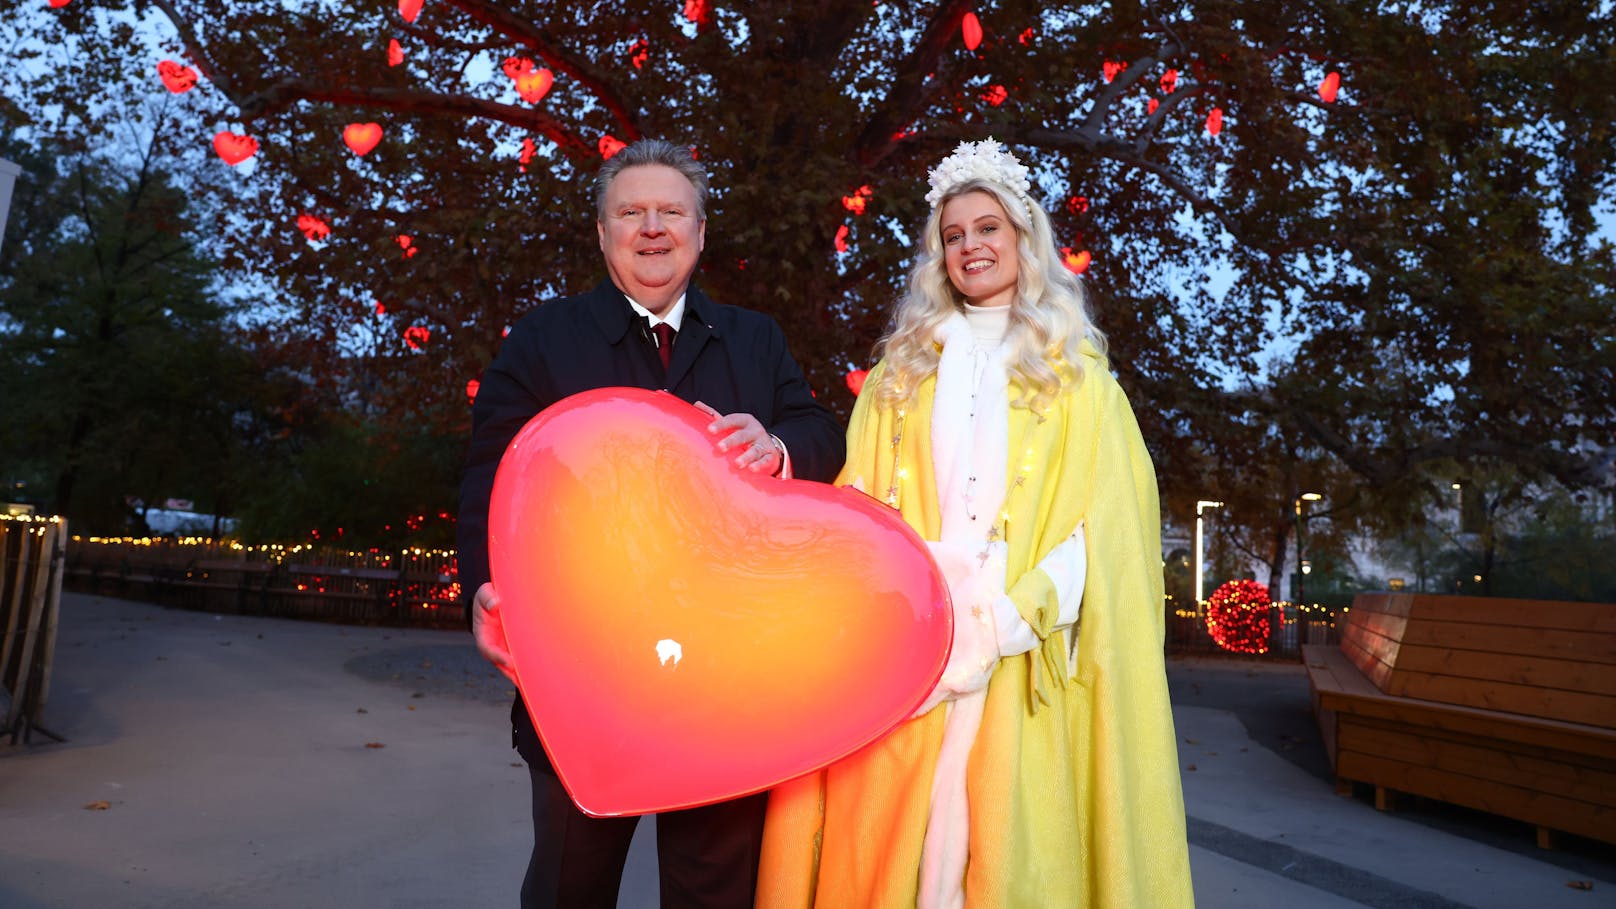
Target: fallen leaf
(98,805)
(1580,885)
(1190,768)
(374,745)
(361,710)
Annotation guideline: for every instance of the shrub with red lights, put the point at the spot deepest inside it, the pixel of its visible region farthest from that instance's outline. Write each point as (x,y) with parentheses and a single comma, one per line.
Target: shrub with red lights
(1237,617)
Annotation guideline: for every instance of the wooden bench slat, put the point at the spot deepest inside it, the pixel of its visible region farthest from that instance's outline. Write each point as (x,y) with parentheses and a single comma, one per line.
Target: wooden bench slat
(1556,812)
(1570,706)
(1566,616)
(1541,672)
(1529,767)
(1551,643)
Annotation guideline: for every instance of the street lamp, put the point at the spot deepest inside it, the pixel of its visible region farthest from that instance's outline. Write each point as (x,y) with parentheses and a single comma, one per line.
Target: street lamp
(1200,561)
(1302,568)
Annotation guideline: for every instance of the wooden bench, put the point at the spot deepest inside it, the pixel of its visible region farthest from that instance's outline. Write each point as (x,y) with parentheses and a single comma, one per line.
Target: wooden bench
(347,594)
(1506,706)
(237,583)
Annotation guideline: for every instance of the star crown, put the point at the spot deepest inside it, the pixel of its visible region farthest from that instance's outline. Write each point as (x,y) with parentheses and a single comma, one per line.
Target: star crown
(985,160)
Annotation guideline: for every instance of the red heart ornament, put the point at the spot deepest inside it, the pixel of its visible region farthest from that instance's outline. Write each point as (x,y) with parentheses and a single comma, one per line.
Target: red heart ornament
(234,148)
(532,86)
(362,137)
(971,31)
(686,631)
(409,9)
(177,77)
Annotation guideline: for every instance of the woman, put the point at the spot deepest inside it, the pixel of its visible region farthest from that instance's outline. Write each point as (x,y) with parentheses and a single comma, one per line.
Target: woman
(1042,772)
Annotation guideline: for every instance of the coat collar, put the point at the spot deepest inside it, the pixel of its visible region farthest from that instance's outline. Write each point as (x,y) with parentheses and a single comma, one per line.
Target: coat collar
(615,317)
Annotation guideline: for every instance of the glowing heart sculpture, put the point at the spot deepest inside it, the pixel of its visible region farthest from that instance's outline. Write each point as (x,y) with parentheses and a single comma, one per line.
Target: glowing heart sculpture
(234,148)
(362,137)
(177,77)
(685,631)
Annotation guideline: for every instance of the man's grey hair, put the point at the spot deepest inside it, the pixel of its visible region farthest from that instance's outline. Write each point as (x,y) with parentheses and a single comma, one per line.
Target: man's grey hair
(651,151)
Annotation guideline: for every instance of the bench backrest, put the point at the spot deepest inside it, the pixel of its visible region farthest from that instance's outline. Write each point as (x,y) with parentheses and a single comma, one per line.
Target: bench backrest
(1541,658)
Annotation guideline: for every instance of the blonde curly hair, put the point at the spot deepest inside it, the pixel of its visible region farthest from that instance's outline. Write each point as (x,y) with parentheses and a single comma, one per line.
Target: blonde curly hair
(1049,315)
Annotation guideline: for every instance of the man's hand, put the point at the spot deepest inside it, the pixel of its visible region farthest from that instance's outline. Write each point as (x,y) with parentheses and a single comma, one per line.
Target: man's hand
(759,452)
(489,630)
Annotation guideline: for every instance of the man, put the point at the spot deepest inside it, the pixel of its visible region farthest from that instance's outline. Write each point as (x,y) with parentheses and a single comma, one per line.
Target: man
(645,327)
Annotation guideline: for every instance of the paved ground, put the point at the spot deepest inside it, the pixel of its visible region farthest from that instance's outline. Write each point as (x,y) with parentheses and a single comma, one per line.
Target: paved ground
(224,761)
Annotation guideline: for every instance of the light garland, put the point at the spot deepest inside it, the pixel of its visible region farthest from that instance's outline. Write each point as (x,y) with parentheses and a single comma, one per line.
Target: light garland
(1237,617)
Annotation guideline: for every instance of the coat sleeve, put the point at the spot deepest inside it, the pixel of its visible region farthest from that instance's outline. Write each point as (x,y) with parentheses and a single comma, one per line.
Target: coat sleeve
(508,397)
(810,432)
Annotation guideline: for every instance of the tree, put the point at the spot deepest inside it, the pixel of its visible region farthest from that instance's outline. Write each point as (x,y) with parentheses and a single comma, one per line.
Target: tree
(115,349)
(1426,243)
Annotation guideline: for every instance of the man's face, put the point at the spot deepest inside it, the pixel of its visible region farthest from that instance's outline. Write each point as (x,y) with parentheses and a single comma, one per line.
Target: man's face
(651,234)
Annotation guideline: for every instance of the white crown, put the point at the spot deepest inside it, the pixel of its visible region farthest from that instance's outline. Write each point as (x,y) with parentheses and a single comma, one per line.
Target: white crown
(985,160)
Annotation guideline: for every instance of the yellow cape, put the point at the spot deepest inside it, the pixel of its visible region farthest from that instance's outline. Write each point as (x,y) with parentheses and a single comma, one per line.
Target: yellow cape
(1073,781)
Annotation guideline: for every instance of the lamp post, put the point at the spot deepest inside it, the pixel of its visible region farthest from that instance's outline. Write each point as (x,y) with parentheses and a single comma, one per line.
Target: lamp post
(1200,562)
(1302,568)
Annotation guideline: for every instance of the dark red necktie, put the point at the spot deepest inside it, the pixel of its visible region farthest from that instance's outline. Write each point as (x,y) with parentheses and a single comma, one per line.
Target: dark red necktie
(664,338)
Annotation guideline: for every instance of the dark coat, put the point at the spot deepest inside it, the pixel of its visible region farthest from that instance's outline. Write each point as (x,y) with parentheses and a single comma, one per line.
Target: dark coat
(734,360)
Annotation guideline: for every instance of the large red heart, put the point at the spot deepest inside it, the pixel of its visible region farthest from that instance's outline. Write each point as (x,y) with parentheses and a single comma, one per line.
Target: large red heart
(685,631)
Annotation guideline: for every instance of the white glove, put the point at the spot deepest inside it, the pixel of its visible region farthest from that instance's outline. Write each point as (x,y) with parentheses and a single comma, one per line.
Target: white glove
(974,584)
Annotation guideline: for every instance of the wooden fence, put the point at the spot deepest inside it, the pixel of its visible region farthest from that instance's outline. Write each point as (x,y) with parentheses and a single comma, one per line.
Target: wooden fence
(31,553)
(403,587)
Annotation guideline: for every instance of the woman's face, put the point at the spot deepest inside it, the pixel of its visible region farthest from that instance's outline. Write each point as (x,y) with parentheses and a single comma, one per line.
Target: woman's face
(979,249)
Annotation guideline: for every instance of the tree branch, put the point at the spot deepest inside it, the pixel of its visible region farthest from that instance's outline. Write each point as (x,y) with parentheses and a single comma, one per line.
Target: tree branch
(904,102)
(540,42)
(279,96)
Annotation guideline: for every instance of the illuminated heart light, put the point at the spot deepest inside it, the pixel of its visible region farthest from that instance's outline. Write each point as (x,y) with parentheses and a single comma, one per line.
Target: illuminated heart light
(362,137)
(971,31)
(177,77)
(407,243)
(860,197)
(855,380)
(409,9)
(841,238)
(234,148)
(416,336)
(995,95)
(1077,204)
(1328,88)
(58,4)
(381,308)
(697,11)
(515,67)
(313,227)
(395,52)
(527,154)
(1076,263)
(1214,122)
(532,86)
(639,53)
(1026,36)
(471,391)
(1151,105)
(1112,69)
(768,627)
(610,145)
(1169,81)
